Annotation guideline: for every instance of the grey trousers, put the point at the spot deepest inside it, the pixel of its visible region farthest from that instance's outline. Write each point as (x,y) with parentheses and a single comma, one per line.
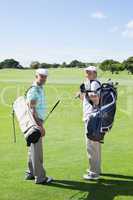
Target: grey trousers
(35,161)
(94,154)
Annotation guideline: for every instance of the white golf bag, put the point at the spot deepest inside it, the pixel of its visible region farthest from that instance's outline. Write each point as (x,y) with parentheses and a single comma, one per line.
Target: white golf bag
(26,121)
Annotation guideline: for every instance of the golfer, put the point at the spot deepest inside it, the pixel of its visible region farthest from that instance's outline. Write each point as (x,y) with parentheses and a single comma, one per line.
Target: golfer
(89,102)
(36,101)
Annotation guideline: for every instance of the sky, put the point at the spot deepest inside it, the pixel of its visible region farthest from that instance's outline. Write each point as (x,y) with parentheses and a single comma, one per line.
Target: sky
(55,31)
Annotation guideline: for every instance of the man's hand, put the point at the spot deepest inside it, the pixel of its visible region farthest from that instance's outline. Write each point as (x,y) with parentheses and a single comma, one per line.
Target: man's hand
(42,129)
(79,95)
(94,98)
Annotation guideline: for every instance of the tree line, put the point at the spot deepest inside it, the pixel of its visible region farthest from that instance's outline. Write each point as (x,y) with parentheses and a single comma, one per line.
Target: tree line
(107,65)
(115,66)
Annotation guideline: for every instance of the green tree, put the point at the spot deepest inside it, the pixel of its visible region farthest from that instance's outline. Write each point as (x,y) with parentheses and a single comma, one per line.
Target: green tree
(34,65)
(116,67)
(111,65)
(9,63)
(128,64)
(63,65)
(56,65)
(45,65)
(76,63)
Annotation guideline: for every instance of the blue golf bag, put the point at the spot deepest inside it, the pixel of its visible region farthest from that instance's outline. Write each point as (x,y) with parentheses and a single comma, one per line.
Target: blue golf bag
(102,117)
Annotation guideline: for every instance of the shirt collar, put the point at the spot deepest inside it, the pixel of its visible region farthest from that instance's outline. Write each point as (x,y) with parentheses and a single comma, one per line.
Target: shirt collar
(35,84)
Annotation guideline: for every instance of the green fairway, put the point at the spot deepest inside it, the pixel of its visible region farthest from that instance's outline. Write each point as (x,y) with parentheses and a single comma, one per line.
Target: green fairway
(64,146)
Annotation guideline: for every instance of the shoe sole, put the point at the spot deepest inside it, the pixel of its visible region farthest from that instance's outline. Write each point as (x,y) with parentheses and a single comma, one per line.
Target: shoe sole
(45,182)
(88,171)
(31,179)
(88,179)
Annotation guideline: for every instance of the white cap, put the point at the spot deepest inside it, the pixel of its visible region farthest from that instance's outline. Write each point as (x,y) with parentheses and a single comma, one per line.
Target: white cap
(42,71)
(91,68)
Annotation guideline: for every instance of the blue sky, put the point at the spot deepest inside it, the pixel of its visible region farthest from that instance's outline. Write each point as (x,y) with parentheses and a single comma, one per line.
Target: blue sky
(63,30)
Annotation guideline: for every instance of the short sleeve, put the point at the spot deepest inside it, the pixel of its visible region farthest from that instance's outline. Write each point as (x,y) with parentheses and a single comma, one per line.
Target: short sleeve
(32,94)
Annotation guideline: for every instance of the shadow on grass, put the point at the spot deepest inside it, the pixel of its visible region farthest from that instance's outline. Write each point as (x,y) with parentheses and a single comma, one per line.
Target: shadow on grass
(108,189)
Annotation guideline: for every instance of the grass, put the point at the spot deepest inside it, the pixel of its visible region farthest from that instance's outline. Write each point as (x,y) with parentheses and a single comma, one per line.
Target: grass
(65,155)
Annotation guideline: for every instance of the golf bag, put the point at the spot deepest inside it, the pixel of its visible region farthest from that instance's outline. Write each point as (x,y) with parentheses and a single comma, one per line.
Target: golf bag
(102,118)
(26,121)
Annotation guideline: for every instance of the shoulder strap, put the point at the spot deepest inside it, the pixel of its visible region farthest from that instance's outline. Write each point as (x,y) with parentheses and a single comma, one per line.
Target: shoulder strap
(82,88)
(98,83)
(28,90)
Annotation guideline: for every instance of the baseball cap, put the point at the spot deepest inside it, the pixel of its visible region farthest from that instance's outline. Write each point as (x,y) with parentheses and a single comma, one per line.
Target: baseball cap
(42,71)
(91,68)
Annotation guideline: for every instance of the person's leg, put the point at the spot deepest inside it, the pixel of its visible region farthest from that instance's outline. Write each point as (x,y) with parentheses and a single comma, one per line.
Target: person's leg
(37,161)
(30,166)
(94,155)
(29,172)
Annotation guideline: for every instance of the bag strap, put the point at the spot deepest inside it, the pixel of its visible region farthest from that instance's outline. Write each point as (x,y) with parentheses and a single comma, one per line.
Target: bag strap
(95,81)
(25,94)
(91,81)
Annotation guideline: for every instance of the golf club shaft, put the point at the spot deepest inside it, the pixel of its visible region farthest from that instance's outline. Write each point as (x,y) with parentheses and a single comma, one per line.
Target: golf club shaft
(14,130)
(52,110)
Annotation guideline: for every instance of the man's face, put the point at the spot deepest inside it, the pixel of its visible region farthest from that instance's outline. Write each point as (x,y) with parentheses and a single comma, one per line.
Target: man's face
(41,79)
(91,75)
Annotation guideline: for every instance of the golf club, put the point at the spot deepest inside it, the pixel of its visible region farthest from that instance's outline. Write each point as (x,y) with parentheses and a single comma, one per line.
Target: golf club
(13,119)
(13,124)
(56,104)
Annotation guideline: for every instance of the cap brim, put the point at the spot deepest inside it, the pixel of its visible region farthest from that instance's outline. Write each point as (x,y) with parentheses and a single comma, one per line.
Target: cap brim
(42,74)
(89,70)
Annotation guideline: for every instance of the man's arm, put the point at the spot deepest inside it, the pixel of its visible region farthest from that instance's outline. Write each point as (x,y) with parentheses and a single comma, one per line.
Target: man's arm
(80,95)
(32,104)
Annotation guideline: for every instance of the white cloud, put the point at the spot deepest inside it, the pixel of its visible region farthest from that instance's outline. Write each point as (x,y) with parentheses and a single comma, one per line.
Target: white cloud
(98,15)
(128,32)
(130,24)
